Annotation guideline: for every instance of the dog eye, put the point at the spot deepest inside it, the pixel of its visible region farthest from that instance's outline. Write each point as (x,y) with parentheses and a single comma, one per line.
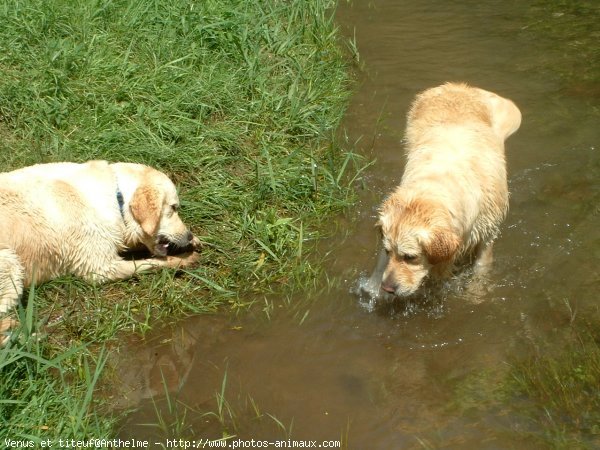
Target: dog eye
(410,258)
(174,208)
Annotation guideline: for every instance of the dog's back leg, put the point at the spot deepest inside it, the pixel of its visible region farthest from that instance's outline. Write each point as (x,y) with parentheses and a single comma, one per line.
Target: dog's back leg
(11,288)
(11,279)
(479,284)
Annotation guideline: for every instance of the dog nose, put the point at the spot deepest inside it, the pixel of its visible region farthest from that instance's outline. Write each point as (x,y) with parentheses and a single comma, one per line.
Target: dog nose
(189,236)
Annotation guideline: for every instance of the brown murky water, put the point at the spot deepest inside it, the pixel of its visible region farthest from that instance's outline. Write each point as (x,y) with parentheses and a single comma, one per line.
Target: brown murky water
(331,367)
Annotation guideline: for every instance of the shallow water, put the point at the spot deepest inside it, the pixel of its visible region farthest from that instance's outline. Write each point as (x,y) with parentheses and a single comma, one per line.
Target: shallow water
(331,367)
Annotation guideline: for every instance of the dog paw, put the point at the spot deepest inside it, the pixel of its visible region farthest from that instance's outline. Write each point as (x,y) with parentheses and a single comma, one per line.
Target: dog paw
(183,261)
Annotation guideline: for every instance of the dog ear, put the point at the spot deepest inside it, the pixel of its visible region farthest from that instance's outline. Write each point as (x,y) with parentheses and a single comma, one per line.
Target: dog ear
(441,246)
(146,208)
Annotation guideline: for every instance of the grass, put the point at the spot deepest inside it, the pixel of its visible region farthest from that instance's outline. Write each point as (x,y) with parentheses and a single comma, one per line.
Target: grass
(561,389)
(223,420)
(237,101)
(39,398)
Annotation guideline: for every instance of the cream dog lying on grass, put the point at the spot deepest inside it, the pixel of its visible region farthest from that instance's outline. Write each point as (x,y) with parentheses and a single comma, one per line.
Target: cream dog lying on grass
(453,195)
(67,218)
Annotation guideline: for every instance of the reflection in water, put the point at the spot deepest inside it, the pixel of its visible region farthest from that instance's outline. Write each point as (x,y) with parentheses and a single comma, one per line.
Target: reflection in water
(394,375)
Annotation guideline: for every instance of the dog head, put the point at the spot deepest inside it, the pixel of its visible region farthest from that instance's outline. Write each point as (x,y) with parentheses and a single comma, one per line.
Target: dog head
(418,238)
(151,208)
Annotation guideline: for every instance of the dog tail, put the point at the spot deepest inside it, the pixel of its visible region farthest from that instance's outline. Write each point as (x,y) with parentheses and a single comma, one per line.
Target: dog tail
(506,117)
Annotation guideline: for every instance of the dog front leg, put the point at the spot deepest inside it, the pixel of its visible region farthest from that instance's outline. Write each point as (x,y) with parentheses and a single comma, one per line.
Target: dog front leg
(483,258)
(373,285)
(124,269)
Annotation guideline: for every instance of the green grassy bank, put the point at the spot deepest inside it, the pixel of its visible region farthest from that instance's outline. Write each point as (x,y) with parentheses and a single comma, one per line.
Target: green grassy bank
(237,101)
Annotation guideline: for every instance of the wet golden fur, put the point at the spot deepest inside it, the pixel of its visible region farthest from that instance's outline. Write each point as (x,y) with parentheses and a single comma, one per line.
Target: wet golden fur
(453,194)
(64,218)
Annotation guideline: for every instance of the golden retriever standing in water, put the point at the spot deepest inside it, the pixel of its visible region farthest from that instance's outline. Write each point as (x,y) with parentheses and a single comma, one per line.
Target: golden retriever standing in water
(453,194)
(67,218)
